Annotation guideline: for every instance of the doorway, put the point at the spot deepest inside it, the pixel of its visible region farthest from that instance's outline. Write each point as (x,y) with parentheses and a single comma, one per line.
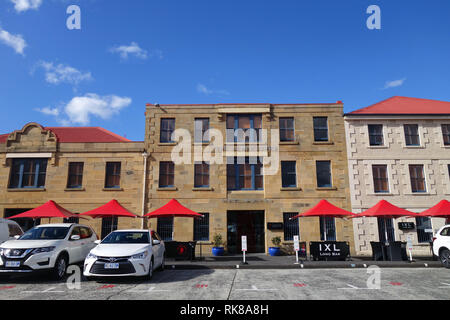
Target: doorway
(245,223)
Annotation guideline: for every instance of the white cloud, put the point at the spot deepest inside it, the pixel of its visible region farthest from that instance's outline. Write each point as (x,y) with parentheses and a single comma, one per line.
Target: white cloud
(394,83)
(17,42)
(56,74)
(132,49)
(49,111)
(201,88)
(24,5)
(80,109)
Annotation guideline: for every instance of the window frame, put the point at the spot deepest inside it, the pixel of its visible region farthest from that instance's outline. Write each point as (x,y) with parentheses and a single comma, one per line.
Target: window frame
(445,134)
(170,174)
(77,176)
(238,175)
(409,136)
(375,135)
(203,137)
(40,169)
(284,130)
(415,180)
(248,138)
(291,228)
(289,174)
(202,227)
(330,185)
(318,129)
(202,174)
(114,174)
(378,179)
(169,130)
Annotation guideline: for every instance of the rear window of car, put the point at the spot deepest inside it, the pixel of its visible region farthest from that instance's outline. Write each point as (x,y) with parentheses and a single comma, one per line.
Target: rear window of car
(445,232)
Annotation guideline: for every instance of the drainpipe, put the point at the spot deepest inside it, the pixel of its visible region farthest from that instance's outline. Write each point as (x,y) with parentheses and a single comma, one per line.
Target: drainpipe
(144,189)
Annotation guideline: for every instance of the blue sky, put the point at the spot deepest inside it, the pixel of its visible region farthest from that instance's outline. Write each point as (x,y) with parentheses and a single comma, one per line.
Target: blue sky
(129,53)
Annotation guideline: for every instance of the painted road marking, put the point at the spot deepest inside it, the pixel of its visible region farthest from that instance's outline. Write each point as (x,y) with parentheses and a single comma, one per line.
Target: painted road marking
(151,289)
(352,287)
(106,287)
(446,285)
(49,290)
(396,283)
(299,285)
(254,288)
(201,286)
(7,287)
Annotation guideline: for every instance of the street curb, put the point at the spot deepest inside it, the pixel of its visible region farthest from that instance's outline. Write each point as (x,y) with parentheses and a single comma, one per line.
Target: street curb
(349,265)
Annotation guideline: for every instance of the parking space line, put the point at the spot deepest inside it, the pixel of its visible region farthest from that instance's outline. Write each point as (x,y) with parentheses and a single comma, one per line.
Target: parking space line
(352,287)
(151,289)
(49,290)
(254,288)
(446,285)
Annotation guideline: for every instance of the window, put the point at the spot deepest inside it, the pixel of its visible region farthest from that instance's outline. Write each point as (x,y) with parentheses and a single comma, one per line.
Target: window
(245,176)
(445,232)
(323,172)
(244,128)
(388,223)
(287,131)
(288,174)
(166,174)
(417,178)
(112,179)
(75,179)
(291,228)
(327,223)
(71,220)
(320,129)
(165,228)
(14,230)
(85,233)
(109,225)
(412,134)
(446,134)
(201,175)
(201,228)
(201,126)
(166,130)
(380,179)
(376,135)
(28,173)
(423,223)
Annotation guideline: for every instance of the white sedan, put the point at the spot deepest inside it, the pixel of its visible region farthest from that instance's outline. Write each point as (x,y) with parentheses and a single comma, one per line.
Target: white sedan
(50,247)
(126,253)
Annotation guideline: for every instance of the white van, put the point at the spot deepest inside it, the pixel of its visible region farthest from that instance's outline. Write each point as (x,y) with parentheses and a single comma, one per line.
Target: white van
(9,229)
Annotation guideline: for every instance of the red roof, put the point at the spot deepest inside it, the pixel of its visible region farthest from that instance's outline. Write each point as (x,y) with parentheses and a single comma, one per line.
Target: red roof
(111,209)
(173,209)
(80,135)
(48,210)
(441,210)
(405,105)
(325,209)
(386,210)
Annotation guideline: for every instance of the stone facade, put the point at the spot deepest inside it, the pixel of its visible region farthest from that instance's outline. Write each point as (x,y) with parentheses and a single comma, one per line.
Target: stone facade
(431,153)
(35,141)
(273,200)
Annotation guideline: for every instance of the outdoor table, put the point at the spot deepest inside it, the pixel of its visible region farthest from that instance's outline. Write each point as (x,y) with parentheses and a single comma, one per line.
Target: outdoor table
(329,250)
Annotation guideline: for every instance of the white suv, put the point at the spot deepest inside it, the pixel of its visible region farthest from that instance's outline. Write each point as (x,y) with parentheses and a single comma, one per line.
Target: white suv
(50,247)
(441,245)
(9,230)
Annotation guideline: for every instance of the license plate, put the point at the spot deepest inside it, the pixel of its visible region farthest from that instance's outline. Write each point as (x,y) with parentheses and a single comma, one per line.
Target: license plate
(111,266)
(12,264)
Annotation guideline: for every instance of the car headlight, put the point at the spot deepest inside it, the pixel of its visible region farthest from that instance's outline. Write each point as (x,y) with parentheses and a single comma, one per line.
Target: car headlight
(91,256)
(140,256)
(42,250)
(2,251)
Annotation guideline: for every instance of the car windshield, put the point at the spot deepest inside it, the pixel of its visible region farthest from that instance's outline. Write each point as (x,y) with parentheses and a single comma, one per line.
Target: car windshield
(45,233)
(127,237)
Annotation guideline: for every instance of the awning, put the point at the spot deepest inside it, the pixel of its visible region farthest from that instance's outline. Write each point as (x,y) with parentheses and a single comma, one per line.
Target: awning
(325,209)
(111,209)
(385,209)
(48,210)
(173,209)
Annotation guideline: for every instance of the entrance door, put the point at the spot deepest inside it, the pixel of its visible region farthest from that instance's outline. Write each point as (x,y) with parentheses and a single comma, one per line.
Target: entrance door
(245,223)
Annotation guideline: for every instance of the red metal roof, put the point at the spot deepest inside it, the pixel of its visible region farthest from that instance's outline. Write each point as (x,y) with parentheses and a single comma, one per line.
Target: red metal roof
(173,209)
(405,105)
(111,209)
(325,209)
(48,210)
(385,209)
(80,135)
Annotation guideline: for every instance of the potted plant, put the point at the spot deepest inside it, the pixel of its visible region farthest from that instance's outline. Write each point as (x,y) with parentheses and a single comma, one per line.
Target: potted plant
(217,249)
(275,251)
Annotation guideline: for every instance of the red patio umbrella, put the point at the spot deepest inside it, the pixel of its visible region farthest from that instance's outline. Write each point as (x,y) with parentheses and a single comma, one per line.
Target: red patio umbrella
(48,210)
(325,209)
(109,210)
(173,209)
(386,210)
(440,210)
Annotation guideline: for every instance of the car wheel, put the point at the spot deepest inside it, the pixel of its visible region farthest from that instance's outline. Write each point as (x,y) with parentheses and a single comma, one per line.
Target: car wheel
(445,258)
(150,270)
(59,271)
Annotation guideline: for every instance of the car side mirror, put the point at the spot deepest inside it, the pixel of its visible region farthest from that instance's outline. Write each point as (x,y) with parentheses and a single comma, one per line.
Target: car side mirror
(156,242)
(75,237)
(97,241)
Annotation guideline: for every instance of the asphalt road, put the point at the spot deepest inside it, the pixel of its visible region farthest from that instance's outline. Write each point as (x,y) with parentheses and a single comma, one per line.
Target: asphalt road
(229,284)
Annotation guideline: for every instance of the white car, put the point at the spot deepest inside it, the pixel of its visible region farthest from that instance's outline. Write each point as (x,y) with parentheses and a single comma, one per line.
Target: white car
(126,253)
(441,245)
(9,230)
(50,247)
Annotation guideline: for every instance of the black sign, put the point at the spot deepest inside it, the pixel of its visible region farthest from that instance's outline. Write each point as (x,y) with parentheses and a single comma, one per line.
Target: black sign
(275,226)
(406,225)
(329,250)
